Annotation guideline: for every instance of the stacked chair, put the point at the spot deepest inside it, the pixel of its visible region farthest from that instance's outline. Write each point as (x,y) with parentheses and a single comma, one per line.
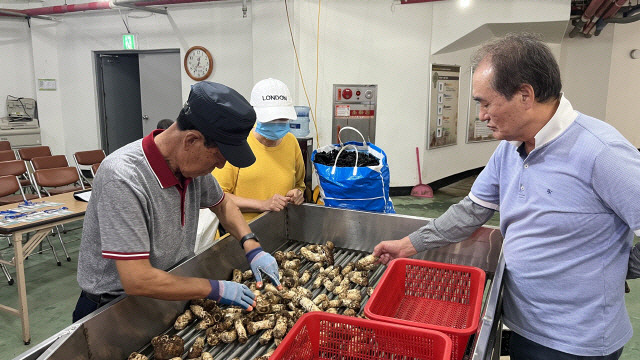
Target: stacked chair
(10,185)
(19,169)
(7,155)
(15,168)
(29,153)
(46,174)
(90,158)
(94,169)
(52,175)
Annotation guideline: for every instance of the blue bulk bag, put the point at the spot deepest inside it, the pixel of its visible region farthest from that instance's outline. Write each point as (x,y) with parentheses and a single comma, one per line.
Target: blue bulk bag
(356,188)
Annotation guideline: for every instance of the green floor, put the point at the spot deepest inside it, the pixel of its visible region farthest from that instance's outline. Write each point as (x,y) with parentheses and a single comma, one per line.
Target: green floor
(52,290)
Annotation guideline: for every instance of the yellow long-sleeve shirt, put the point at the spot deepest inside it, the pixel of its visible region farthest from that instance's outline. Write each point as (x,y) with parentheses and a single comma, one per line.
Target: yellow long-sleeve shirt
(277,170)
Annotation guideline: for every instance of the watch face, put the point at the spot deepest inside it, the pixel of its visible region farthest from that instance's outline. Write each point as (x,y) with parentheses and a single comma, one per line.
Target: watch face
(198,63)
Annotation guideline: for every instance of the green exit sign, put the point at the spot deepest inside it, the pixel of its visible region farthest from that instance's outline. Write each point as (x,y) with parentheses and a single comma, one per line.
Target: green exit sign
(129,42)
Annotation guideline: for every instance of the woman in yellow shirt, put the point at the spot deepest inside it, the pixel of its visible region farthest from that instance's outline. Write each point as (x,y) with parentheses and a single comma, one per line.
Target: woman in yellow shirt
(277,177)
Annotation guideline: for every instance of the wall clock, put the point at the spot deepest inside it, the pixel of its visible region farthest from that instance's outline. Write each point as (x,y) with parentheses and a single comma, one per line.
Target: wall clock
(198,63)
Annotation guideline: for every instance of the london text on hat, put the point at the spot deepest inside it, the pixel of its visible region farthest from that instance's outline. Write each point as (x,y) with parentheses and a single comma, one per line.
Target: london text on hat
(272,100)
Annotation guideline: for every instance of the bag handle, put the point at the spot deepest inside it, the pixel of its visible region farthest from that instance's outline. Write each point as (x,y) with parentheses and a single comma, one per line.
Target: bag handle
(355,168)
(364,142)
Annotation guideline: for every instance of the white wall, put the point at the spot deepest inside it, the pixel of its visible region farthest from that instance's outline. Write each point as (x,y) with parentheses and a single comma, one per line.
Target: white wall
(623,107)
(457,33)
(366,42)
(273,55)
(64,51)
(16,72)
(445,161)
(600,78)
(53,119)
(585,66)
(361,41)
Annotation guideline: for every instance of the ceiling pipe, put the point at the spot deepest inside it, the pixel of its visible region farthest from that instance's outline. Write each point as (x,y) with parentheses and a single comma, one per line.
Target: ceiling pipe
(99,5)
(164,2)
(586,16)
(60,9)
(611,10)
(404,2)
(131,5)
(599,13)
(603,21)
(63,9)
(18,14)
(624,20)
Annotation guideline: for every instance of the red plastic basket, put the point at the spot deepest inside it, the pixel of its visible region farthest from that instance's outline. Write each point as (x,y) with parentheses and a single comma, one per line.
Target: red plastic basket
(319,335)
(430,295)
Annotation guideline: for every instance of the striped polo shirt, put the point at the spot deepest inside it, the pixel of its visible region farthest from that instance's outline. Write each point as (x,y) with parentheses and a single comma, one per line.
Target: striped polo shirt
(568,210)
(139,210)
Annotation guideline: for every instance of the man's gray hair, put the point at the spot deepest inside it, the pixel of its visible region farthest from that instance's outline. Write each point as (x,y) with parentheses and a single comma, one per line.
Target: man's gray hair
(519,59)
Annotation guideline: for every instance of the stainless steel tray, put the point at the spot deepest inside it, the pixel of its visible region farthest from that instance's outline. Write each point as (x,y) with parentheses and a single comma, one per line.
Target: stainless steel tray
(127,324)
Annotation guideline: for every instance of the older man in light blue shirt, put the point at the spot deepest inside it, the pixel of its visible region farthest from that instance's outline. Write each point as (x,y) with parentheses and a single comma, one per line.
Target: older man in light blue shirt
(567,188)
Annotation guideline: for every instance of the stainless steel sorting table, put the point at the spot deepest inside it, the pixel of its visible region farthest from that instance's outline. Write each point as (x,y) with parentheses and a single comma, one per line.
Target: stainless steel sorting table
(129,322)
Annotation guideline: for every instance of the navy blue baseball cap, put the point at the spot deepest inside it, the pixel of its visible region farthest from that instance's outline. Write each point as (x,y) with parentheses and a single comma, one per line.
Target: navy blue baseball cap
(223,114)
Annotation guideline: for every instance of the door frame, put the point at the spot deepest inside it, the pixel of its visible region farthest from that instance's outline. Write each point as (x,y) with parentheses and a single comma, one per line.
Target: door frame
(102,126)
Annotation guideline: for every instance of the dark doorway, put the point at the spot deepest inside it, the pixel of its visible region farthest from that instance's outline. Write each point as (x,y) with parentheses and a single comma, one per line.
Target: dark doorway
(120,92)
(135,91)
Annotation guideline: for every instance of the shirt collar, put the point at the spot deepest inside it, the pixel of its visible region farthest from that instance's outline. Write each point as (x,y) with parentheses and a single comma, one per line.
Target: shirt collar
(559,122)
(158,164)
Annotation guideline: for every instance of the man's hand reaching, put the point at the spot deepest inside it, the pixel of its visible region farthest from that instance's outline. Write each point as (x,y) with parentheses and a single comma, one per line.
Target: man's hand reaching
(394,249)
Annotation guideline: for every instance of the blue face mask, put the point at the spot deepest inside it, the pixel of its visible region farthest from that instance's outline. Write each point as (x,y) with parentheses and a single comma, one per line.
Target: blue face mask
(273,130)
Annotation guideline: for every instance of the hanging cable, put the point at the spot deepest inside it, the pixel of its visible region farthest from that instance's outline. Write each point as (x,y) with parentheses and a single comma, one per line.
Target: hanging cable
(304,87)
(124,22)
(315,105)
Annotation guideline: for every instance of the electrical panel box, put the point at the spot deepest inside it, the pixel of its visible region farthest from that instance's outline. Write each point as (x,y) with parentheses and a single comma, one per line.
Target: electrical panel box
(355,106)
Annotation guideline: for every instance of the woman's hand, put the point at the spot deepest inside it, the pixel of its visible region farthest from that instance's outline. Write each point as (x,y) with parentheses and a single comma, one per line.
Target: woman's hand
(295,196)
(276,203)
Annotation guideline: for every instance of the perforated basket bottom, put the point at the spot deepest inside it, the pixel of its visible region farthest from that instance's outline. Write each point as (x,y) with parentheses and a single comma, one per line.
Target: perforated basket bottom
(345,341)
(364,340)
(433,312)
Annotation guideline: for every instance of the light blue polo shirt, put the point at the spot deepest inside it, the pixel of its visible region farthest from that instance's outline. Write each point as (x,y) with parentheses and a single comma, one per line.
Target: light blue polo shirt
(567,212)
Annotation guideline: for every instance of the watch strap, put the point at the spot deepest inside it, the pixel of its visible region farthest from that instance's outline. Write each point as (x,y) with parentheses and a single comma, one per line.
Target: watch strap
(247,237)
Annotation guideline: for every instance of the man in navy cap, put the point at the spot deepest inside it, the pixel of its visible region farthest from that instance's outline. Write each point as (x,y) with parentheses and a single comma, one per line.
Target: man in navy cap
(143,213)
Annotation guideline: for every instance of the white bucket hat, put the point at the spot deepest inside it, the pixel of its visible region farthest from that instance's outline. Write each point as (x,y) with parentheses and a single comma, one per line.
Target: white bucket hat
(271,100)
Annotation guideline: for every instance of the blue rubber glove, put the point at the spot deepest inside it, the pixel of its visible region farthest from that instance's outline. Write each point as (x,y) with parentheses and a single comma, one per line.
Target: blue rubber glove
(232,293)
(263,262)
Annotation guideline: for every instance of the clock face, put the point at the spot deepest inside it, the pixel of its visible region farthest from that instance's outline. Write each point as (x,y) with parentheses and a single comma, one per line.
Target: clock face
(198,63)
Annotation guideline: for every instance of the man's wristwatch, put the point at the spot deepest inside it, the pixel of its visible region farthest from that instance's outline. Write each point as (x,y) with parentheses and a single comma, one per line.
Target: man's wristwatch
(247,237)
